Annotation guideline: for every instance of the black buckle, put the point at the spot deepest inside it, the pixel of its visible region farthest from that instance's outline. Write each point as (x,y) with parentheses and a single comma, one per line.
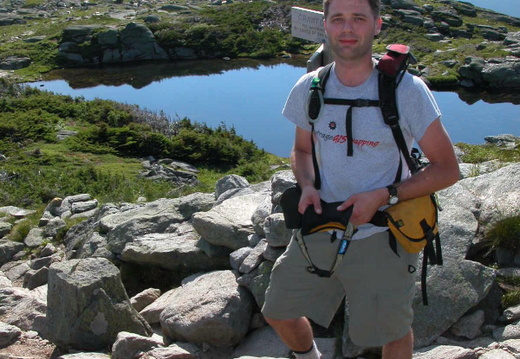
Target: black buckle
(362,103)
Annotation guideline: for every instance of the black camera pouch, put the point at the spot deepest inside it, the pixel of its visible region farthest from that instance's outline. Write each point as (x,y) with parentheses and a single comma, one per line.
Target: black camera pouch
(289,202)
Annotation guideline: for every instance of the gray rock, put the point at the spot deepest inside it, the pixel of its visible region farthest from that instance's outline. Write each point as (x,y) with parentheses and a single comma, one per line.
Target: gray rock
(154,217)
(129,345)
(447,17)
(510,331)
(498,191)
(453,289)
(152,312)
(469,326)
(88,305)
(8,334)
(64,134)
(52,228)
(472,69)
(237,257)
(34,238)
(84,356)
(83,206)
(276,234)
(145,298)
(512,346)
(4,281)
(138,43)
(272,253)
(16,212)
(492,35)
(254,258)
(195,202)
(511,314)
(108,38)
(505,74)
(172,351)
(15,270)
(260,214)
(229,182)
(5,228)
(35,278)
(228,224)
(445,352)
(79,33)
(263,342)
(405,4)
(220,319)
(41,262)
(280,181)
(496,354)
(14,63)
(20,307)
(260,281)
(435,36)
(173,251)
(150,19)
(504,140)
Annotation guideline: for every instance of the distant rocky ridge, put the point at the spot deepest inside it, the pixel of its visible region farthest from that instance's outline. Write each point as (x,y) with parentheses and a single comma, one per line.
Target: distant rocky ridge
(196,269)
(82,45)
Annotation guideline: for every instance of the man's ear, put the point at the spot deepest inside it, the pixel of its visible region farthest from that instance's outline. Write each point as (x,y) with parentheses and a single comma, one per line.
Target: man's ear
(379,25)
(325,27)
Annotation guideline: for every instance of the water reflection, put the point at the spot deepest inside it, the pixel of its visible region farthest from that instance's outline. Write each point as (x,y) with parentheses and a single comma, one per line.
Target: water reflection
(248,95)
(139,75)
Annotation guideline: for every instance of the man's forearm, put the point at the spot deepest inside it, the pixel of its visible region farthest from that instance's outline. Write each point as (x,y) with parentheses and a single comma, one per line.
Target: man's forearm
(302,167)
(431,179)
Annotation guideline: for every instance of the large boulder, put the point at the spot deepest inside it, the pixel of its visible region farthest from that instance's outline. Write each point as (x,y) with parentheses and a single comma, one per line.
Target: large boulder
(138,43)
(230,223)
(8,249)
(88,305)
(154,217)
(211,308)
(24,309)
(178,251)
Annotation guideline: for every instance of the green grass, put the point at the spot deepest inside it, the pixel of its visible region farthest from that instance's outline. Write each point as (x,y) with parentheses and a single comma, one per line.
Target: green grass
(104,158)
(22,228)
(505,234)
(488,152)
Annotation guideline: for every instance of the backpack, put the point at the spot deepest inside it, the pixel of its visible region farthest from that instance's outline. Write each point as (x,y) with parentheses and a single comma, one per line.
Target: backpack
(392,68)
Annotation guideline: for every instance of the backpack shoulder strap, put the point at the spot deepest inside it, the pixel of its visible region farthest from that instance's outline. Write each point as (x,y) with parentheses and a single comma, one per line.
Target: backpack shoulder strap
(315,101)
(392,68)
(315,104)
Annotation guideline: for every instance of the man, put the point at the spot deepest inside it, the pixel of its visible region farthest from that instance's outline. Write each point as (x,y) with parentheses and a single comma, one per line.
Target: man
(376,280)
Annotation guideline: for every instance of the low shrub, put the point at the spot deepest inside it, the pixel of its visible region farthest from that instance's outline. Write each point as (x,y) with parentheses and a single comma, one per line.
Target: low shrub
(505,234)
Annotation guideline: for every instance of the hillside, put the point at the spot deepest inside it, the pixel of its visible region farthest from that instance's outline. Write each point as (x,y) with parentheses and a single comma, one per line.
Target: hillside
(455,42)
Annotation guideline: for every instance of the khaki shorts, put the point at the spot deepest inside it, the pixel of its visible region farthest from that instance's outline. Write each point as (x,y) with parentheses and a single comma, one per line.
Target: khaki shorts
(379,285)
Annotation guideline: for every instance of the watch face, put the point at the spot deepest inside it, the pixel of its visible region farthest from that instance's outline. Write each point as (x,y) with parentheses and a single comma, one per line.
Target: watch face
(393,200)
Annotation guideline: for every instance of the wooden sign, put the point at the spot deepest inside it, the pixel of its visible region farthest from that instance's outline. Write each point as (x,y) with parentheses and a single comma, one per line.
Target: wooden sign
(307,24)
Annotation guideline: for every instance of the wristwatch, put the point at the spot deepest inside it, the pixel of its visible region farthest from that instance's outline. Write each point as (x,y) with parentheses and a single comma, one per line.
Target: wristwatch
(394,198)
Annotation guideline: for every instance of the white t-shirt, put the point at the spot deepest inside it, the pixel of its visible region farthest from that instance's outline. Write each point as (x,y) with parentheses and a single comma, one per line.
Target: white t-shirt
(375,160)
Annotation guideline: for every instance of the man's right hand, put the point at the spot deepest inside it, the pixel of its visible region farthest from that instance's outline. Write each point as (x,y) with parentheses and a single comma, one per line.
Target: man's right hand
(310,197)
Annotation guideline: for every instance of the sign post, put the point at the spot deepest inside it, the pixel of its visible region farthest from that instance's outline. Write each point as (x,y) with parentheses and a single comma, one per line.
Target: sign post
(307,24)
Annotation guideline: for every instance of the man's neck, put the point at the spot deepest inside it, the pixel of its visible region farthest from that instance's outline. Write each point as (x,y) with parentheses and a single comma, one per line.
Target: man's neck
(352,73)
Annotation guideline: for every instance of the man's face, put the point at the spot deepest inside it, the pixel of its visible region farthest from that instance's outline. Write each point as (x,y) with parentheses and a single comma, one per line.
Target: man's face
(351,27)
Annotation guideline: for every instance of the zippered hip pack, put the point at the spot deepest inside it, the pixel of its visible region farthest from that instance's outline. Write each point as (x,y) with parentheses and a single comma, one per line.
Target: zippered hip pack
(414,223)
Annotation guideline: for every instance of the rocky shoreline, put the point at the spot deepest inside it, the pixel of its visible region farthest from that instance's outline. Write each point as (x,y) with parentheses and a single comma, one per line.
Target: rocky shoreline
(185,277)
(94,44)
